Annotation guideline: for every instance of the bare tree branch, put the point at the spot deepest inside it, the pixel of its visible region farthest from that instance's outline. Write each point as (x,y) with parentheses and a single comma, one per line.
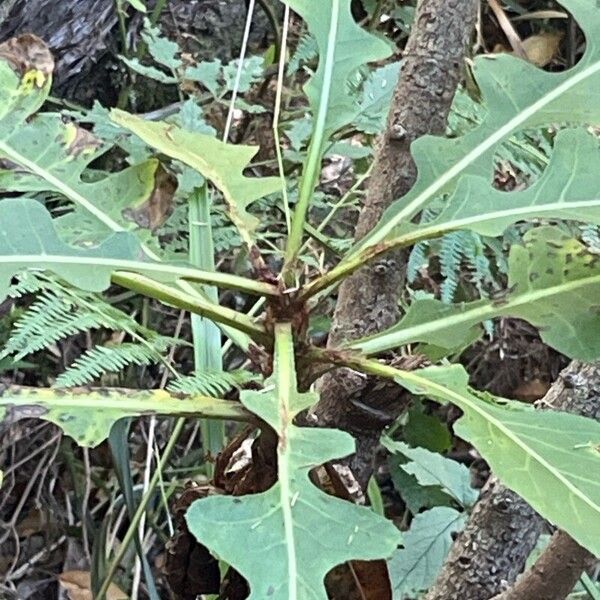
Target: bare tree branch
(368,300)
(554,574)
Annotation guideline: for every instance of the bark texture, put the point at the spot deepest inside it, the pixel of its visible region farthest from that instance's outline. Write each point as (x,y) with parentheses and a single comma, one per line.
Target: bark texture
(554,574)
(84,37)
(491,552)
(368,300)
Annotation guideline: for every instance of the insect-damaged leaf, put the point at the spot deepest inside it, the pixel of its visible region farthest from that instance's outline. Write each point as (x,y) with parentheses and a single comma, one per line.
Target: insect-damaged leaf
(40,152)
(284,540)
(87,414)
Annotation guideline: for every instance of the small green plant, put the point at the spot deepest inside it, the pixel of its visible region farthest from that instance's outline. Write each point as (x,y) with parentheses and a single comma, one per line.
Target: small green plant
(298,532)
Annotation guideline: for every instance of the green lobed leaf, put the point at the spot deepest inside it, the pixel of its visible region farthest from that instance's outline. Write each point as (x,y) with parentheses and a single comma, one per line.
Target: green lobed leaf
(568,189)
(431,468)
(349,46)
(554,283)
(87,414)
(549,458)
(43,153)
(284,540)
(516,95)
(415,496)
(28,240)
(415,567)
(223,164)
(376,97)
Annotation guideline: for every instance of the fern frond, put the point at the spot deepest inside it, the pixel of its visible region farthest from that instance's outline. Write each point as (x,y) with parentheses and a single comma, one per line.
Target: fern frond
(212,383)
(307,50)
(49,319)
(479,264)
(61,311)
(112,359)
(417,259)
(451,255)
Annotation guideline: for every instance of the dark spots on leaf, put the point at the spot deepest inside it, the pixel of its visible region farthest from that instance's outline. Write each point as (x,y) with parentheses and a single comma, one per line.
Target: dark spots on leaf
(237,501)
(549,271)
(270,590)
(552,254)
(566,272)
(65,417)
(553,244)
(595,309)
(533,276)
(568,257)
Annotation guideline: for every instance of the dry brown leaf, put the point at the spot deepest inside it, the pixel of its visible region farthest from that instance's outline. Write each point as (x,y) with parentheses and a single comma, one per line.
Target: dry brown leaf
(530,391)
(27,52)
(509,31)
(157,208)
(35,521)
(78,585)
(541,49)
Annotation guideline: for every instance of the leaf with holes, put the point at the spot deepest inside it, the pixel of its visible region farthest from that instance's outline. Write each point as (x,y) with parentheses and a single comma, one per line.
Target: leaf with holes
(549,458)
(276,539)
(223,164)
(554,283)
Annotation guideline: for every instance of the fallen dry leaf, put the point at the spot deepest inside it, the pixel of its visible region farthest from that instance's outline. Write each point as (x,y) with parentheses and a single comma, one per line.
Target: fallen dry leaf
(541,49)
(78,585)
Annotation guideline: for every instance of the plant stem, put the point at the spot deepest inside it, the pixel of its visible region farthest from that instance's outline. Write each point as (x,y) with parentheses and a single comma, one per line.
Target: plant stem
(358,260)
(194,304)
(276,115)
(312,168)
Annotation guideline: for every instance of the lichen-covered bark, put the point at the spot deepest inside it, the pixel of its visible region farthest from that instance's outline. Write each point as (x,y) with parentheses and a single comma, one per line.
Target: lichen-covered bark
(491,552)
(368,300)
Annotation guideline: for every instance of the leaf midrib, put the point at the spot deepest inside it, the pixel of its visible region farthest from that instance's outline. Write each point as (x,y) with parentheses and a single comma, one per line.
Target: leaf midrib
(513,437)
(441,181)
(478,314)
